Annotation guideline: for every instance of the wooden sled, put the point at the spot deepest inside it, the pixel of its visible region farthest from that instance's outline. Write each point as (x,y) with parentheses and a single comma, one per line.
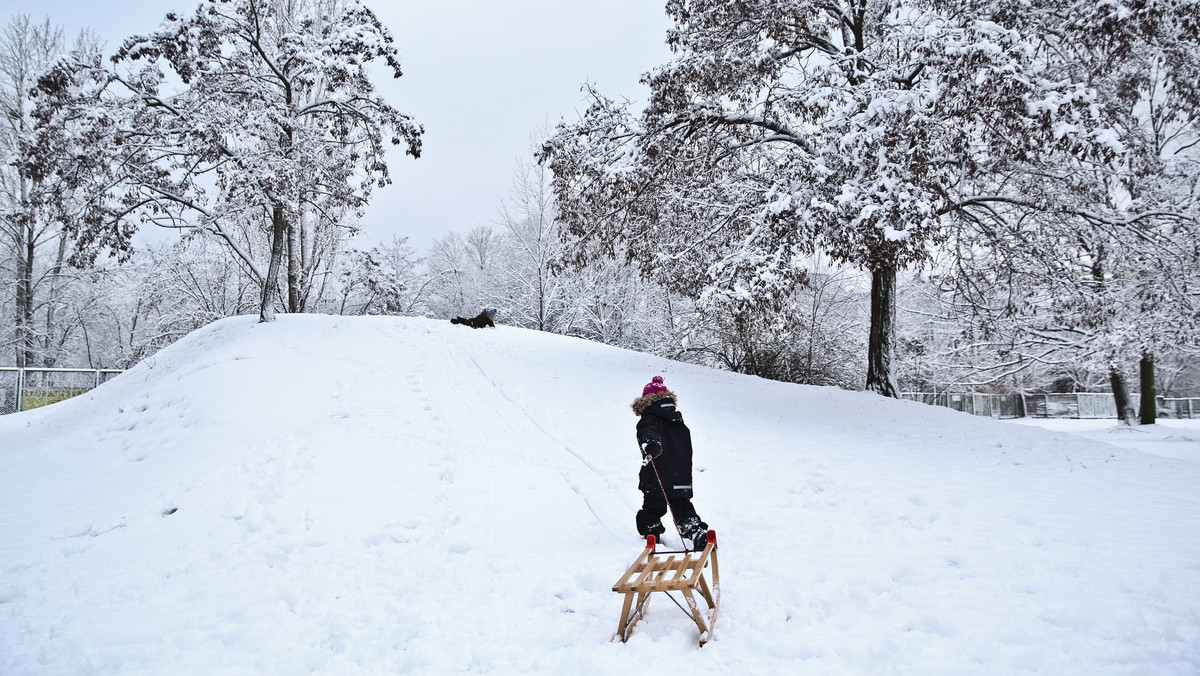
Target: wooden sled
(668,572)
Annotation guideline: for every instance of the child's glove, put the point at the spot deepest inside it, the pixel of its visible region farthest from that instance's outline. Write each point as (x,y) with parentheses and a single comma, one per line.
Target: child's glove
(650,451)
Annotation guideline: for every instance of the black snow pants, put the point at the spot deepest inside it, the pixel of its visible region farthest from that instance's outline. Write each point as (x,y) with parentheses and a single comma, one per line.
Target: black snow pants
(654,506)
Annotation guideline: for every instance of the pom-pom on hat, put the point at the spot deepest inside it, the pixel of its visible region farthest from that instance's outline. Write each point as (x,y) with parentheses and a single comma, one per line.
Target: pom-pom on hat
(654,386)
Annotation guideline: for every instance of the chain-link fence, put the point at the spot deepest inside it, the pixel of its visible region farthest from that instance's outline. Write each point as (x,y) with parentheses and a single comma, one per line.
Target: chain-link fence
(22,389)
(1074,405)
(992,405)
(1172,407)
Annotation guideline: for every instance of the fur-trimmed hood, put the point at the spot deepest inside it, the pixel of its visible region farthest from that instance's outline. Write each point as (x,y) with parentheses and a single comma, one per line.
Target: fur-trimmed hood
(642,403)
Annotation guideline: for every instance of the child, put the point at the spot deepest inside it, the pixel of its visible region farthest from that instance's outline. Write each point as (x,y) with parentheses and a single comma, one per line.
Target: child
(666,476)
(479,321)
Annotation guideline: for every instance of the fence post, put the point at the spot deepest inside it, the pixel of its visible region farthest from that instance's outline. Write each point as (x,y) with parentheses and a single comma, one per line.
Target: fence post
(20,388)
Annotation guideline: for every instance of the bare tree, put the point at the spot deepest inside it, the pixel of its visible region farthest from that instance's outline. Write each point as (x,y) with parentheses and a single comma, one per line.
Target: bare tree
(481,244)
(454,271)
(26,49)
(534,293)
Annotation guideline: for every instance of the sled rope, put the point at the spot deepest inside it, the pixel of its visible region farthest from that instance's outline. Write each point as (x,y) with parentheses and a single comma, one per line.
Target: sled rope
(670,509)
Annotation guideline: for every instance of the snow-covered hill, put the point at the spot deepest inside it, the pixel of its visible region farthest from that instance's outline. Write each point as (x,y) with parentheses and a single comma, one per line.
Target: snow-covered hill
(388,495)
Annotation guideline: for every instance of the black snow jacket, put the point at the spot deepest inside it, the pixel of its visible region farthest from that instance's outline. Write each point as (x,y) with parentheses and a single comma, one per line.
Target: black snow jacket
(662,427)
(479,321)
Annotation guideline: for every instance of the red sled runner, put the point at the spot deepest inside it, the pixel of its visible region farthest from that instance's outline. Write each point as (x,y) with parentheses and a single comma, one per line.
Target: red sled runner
(667,572)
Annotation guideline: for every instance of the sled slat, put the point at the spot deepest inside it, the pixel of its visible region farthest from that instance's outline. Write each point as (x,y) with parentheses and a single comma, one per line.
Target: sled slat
(657,583)
(632,569)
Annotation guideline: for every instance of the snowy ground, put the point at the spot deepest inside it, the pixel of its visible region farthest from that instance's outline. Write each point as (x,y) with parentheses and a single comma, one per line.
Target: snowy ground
(1178,439)
(384,495)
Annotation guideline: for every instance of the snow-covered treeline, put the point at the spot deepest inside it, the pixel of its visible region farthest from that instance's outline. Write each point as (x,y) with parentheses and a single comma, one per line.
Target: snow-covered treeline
(940,196)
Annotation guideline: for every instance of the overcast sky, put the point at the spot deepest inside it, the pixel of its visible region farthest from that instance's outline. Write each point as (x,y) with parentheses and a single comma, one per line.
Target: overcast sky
(480,75)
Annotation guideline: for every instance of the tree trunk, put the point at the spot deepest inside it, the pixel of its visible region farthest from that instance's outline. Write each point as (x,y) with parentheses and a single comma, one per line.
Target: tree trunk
(1125,411)
(49,353)
(880,348)
(266,312)
(294,252)
(24,250)
(20,329)
(1149,404)
(27,249)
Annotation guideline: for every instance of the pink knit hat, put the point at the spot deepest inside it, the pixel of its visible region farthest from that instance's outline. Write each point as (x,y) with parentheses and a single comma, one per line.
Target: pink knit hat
(654,386)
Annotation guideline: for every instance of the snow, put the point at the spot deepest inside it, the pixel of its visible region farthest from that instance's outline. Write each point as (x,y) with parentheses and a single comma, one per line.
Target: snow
(1109,138)
(391,495)
(1168,438)
(893,235)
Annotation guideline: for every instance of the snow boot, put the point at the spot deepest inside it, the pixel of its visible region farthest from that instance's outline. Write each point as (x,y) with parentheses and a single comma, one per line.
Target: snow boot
(656,529)
(695,530)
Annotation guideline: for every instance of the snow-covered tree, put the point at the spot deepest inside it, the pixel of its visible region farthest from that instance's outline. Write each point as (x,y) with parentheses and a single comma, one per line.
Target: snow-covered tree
(854,127)
(481,245)
(516,270)
(533,295)
(608,302)
(166,291)
(1103,266)
(33,250)
(1168,263)
(384,280)
(245,120)
(40,257)
(454,271)
(816,337)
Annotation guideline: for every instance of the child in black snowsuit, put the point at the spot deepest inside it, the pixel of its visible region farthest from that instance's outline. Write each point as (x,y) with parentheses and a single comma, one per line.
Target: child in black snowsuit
(666,445)
(479,321)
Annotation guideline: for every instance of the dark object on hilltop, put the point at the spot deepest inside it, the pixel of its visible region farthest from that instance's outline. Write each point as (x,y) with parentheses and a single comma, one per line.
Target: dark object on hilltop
(479,321)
